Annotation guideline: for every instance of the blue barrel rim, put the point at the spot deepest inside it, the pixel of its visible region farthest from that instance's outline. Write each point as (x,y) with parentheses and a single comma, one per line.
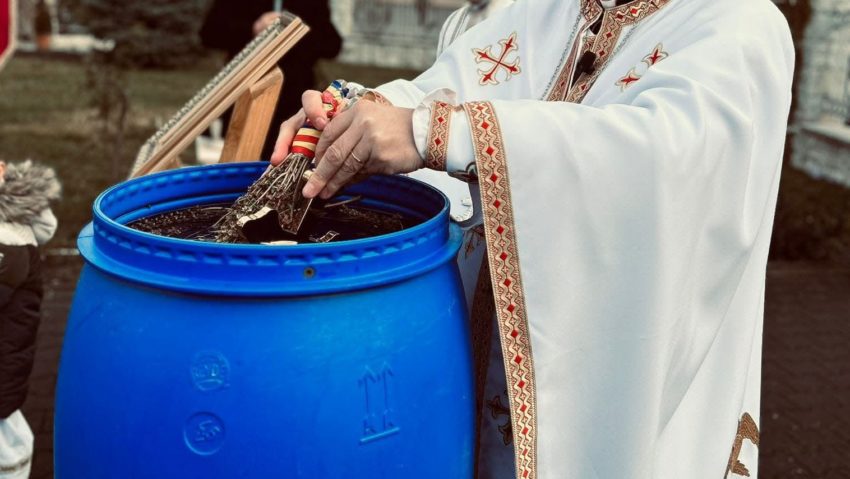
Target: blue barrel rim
(262,270)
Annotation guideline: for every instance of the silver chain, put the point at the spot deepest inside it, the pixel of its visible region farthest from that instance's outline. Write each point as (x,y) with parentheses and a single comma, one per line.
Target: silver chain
(626,39)
(564,56)
(573,38)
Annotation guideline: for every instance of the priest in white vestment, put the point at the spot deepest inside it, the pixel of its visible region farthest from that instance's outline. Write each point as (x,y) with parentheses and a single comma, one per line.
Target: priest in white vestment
(627,156)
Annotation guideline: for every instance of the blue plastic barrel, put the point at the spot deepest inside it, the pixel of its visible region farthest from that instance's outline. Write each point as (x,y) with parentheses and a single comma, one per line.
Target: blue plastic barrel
(185,359)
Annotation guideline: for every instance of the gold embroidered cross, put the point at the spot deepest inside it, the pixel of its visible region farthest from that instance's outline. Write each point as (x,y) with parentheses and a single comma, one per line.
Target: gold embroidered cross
(747,429)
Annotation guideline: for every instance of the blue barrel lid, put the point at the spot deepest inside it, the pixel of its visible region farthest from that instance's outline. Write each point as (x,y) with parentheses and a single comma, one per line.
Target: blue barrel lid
(260,270)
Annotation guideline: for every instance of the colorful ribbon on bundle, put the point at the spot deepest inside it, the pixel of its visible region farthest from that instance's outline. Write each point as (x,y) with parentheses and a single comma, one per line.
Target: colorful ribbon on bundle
(334,102)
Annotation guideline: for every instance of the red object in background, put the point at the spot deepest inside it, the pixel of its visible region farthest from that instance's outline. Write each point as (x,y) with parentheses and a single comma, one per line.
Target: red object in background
(7,30)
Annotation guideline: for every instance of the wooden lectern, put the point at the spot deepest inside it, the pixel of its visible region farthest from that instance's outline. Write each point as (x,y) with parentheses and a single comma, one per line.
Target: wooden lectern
(252,81)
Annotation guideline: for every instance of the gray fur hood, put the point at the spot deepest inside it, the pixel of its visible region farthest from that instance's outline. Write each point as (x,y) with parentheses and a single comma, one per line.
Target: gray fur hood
(27,192)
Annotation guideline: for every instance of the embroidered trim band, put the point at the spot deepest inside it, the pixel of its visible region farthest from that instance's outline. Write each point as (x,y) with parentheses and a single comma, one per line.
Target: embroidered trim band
(438,136)
(602,45)
(590,10)
(503,256)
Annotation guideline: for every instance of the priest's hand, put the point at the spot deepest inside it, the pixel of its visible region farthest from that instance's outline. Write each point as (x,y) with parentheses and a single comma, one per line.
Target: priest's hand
(364,140)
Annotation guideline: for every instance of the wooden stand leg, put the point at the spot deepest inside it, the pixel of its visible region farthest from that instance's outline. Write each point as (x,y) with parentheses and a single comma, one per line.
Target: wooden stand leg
(166,164)
(250,124)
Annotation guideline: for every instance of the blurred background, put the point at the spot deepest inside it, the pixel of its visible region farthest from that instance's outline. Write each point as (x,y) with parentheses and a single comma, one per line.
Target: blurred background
(93,79)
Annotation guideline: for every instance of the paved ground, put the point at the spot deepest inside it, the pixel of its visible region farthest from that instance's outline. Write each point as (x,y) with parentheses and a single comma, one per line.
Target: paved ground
(60,280)
(806,374)
(806,383)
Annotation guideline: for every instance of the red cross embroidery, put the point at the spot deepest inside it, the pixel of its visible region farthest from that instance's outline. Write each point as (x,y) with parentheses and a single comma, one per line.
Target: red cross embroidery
(656,56)
(627,80)
(488,75)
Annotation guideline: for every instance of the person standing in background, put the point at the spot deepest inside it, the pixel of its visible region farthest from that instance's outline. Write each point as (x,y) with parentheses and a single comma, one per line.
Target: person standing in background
(230,25)
(26,223)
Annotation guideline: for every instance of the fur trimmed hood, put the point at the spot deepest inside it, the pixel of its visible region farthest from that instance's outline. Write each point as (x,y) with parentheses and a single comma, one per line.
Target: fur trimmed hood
(27,191)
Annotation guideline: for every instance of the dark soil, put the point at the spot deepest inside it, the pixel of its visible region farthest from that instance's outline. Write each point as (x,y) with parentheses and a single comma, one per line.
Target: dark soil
(326,222)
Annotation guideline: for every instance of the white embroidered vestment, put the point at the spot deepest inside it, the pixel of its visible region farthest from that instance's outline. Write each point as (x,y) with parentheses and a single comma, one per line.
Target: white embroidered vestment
(628,160)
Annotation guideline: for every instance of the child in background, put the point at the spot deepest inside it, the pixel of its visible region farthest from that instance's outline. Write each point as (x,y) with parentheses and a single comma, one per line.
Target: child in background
(26,223)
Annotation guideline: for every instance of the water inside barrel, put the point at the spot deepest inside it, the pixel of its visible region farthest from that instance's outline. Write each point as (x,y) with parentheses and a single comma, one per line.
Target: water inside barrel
(326,222)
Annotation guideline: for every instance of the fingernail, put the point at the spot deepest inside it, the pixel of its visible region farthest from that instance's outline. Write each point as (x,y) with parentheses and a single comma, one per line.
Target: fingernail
(320,123)
(309,190)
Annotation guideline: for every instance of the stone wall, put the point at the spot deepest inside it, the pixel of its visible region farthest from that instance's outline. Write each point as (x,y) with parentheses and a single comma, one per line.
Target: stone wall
(821,131)
(391,33)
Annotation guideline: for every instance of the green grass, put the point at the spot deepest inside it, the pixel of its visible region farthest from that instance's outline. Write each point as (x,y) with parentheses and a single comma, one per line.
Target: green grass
(46,115)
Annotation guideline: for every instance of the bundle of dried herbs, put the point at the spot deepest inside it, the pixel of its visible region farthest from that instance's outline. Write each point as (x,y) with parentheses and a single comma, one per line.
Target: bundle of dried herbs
(277,194)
